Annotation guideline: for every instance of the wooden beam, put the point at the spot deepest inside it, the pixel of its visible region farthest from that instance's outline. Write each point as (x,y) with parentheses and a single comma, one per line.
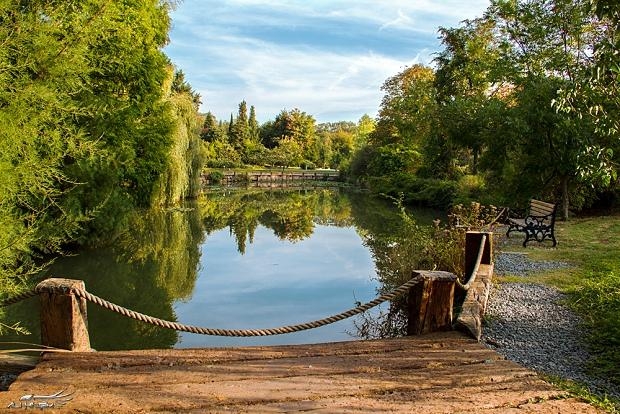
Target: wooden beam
(475,303)
(472,245)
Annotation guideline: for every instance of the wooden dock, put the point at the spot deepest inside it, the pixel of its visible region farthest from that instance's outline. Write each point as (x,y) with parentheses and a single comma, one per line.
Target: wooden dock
(273,178)
(435,373)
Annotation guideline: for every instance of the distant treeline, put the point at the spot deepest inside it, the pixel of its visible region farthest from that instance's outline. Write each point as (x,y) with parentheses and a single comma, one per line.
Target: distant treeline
(292,139)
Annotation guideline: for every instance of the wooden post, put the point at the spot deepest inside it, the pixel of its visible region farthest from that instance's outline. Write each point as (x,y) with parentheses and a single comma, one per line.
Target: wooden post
(430,302)
(64,322)
(472,245)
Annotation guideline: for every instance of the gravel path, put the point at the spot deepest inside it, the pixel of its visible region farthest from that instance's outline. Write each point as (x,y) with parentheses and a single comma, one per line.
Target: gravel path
(528,324)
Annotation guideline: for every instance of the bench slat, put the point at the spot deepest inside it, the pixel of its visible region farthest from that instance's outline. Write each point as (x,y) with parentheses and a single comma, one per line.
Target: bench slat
(537,212)
(542,205)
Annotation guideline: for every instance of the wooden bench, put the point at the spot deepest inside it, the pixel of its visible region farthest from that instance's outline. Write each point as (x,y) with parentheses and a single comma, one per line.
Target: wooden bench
(537,224)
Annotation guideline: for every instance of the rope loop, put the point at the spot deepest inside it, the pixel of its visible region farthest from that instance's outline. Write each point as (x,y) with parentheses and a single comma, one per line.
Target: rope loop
(474,272)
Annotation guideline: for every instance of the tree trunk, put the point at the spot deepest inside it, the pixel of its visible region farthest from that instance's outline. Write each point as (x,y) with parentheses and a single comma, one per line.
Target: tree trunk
(474,169)
(564,184)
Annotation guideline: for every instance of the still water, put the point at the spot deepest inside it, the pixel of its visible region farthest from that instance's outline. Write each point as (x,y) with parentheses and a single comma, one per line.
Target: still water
(235,259)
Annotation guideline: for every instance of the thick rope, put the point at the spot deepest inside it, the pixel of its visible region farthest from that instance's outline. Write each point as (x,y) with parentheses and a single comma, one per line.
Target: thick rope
(18,298)
(474,272)
(222,332)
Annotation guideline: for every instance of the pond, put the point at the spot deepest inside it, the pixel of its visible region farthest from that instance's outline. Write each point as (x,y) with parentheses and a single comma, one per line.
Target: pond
(235,259)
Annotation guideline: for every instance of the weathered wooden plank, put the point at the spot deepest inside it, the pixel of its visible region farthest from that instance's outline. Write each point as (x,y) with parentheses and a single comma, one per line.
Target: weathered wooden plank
(472,245)
(437,373)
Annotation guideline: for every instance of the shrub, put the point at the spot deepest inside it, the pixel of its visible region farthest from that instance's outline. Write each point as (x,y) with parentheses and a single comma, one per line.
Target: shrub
(215,177)
(440,247)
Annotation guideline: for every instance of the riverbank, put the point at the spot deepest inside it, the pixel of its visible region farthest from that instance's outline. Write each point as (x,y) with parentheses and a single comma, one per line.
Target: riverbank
(529,319)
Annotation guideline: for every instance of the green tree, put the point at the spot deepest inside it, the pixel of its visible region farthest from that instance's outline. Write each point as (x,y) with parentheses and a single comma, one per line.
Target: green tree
(41,70)
(124,112)
(365,126)
(465,84)
(341,143)
(254,127)
(406,118)
(547,46)
(240,128)
(86,123)
(288,152)
(407,108)
(181,178)
(294,124)
(211,130)
(594,96)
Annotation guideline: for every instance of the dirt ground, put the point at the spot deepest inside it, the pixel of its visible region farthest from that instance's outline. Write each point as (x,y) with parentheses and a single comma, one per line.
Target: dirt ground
(438,373)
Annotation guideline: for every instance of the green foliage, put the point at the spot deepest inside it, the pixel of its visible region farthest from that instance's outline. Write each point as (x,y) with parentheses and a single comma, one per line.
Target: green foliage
(407,111)
(393,158)
(359,166)
(288,152)
(86,130)
(221,154)
(211,131)
(181,178)
(415,247)
(415,190)
(514,101)
(215,177)
(239,130)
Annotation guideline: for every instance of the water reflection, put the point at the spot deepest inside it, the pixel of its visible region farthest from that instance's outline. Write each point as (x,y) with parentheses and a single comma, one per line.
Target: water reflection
(290,214)
(149,267)
(233,259)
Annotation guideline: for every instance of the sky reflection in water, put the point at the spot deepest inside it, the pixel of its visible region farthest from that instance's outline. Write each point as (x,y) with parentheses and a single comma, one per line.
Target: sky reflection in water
(278,282)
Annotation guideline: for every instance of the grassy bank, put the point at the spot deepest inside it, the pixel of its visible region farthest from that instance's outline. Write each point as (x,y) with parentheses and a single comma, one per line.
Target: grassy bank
(591,245)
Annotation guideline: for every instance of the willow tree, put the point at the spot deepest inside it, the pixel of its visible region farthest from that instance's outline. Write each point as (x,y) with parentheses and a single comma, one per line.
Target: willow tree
(181,178)
(124,112)
(85,131)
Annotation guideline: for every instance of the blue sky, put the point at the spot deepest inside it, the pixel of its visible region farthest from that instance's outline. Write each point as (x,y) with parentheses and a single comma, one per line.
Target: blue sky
(327,58)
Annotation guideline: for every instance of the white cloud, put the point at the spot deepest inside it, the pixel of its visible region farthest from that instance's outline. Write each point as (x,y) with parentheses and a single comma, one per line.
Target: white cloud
(231,51)
(402,21)
(273,77)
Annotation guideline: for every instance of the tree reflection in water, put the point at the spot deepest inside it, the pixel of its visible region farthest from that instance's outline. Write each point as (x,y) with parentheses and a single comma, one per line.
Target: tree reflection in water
(155,262)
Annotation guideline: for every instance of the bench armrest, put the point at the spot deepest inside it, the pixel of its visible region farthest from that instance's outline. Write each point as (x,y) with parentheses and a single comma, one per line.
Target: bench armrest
(539,220)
